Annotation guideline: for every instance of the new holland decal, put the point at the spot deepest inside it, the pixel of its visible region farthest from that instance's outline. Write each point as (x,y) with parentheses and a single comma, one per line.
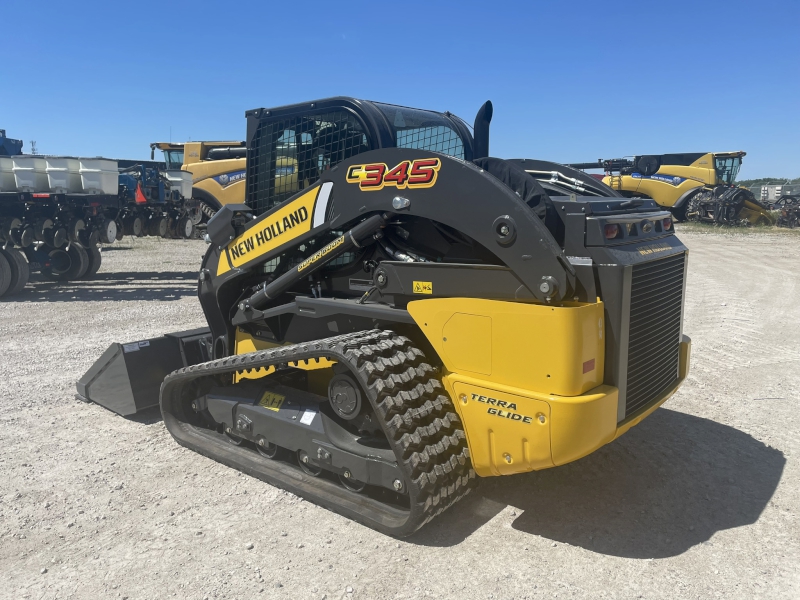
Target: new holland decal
(670,179)
(272,230)
(226,179)
(419,173)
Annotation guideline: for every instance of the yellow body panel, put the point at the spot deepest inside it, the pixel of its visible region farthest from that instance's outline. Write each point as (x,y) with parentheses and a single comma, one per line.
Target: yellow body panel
(701,172)
(515,417)
(245,343)
(556,350)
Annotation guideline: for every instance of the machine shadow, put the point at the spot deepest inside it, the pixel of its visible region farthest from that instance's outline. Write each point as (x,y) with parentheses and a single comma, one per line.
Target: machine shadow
(148,416)
(667,485)
(164,286)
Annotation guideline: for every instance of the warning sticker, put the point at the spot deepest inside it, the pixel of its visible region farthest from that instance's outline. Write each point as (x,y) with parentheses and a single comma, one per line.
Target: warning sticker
(272,401)
(308,417)
(423,287)
(134,347)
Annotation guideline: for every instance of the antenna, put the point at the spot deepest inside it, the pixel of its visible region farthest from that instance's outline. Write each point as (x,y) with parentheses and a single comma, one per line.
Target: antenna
(34,149)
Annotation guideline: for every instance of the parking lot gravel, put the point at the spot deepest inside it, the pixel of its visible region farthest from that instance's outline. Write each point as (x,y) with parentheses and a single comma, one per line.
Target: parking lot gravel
(701,500)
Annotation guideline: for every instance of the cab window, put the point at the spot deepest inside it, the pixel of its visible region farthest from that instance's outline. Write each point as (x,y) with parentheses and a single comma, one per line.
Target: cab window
(727,168)
(173,158)
(422,130)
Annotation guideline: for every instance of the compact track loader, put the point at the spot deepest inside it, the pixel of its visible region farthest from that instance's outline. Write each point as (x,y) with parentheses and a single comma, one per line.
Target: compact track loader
(409,314)
(695,186)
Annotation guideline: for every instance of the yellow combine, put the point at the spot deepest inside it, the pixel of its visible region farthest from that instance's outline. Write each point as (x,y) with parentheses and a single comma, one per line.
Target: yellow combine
(695,186)
(218,171)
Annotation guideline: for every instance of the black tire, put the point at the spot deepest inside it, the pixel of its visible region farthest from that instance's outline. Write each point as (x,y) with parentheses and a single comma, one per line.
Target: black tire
(20,271)
(185,228)
(108,231)
(95,260)
(679,212)
(157,227)
(67,264)
(5,275)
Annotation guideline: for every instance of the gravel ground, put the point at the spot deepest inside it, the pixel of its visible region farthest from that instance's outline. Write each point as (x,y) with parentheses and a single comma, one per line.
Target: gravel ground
(699,501)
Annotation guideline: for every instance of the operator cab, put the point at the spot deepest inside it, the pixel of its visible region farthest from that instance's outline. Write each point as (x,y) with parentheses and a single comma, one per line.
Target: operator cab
(173,158)
(727,166)
(293,145)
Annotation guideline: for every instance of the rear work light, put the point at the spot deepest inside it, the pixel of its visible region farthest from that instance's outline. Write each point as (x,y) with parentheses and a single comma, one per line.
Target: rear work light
(612,231)
(667,224)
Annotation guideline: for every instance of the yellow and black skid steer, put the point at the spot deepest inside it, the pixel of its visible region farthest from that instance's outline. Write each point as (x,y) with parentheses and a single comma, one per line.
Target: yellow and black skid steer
(410,314)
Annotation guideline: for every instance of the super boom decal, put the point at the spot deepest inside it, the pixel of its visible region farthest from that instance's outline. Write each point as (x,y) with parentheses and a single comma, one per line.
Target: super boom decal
(419,173)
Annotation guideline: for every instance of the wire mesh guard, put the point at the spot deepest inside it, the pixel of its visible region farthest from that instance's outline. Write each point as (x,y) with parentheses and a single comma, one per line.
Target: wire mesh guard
(289,154)
(422,130)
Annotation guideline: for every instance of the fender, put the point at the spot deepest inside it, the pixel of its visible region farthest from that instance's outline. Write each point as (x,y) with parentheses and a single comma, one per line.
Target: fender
(686,197)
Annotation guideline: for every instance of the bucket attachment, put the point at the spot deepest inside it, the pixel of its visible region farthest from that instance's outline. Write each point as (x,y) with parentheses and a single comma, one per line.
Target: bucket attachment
(127,378)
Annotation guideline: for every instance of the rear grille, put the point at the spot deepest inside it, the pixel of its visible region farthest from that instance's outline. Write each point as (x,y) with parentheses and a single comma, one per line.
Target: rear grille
(655,330)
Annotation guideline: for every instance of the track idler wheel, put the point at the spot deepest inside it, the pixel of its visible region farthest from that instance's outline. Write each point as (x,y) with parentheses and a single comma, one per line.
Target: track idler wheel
(344,396)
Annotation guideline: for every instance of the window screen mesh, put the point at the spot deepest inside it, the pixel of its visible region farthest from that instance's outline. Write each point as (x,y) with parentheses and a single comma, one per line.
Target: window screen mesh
(286,156)
(423,130)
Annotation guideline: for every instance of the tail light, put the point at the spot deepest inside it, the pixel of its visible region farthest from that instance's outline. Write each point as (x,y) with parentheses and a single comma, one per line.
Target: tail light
(612,231)
(667,224)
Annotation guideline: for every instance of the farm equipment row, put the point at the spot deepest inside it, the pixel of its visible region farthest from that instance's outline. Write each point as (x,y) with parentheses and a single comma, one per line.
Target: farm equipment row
(56,210)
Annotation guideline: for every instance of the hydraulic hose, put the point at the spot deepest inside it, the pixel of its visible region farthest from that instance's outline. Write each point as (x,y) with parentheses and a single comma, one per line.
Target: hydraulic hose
(352,238)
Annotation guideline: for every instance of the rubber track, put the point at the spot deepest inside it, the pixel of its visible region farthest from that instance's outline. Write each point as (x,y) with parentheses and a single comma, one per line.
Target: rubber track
(418,418)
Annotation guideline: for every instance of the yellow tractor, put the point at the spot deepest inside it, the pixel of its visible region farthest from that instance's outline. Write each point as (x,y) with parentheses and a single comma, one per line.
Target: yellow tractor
(218,171)
(695,186)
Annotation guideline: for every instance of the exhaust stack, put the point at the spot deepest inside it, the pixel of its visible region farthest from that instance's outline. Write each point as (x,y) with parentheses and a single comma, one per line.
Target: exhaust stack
(481,130)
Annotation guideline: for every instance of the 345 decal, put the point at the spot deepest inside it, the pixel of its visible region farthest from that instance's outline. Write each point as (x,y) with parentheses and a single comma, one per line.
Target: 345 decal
(420,173)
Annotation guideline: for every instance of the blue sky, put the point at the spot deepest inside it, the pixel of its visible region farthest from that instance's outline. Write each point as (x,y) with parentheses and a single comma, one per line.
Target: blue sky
(570,80)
